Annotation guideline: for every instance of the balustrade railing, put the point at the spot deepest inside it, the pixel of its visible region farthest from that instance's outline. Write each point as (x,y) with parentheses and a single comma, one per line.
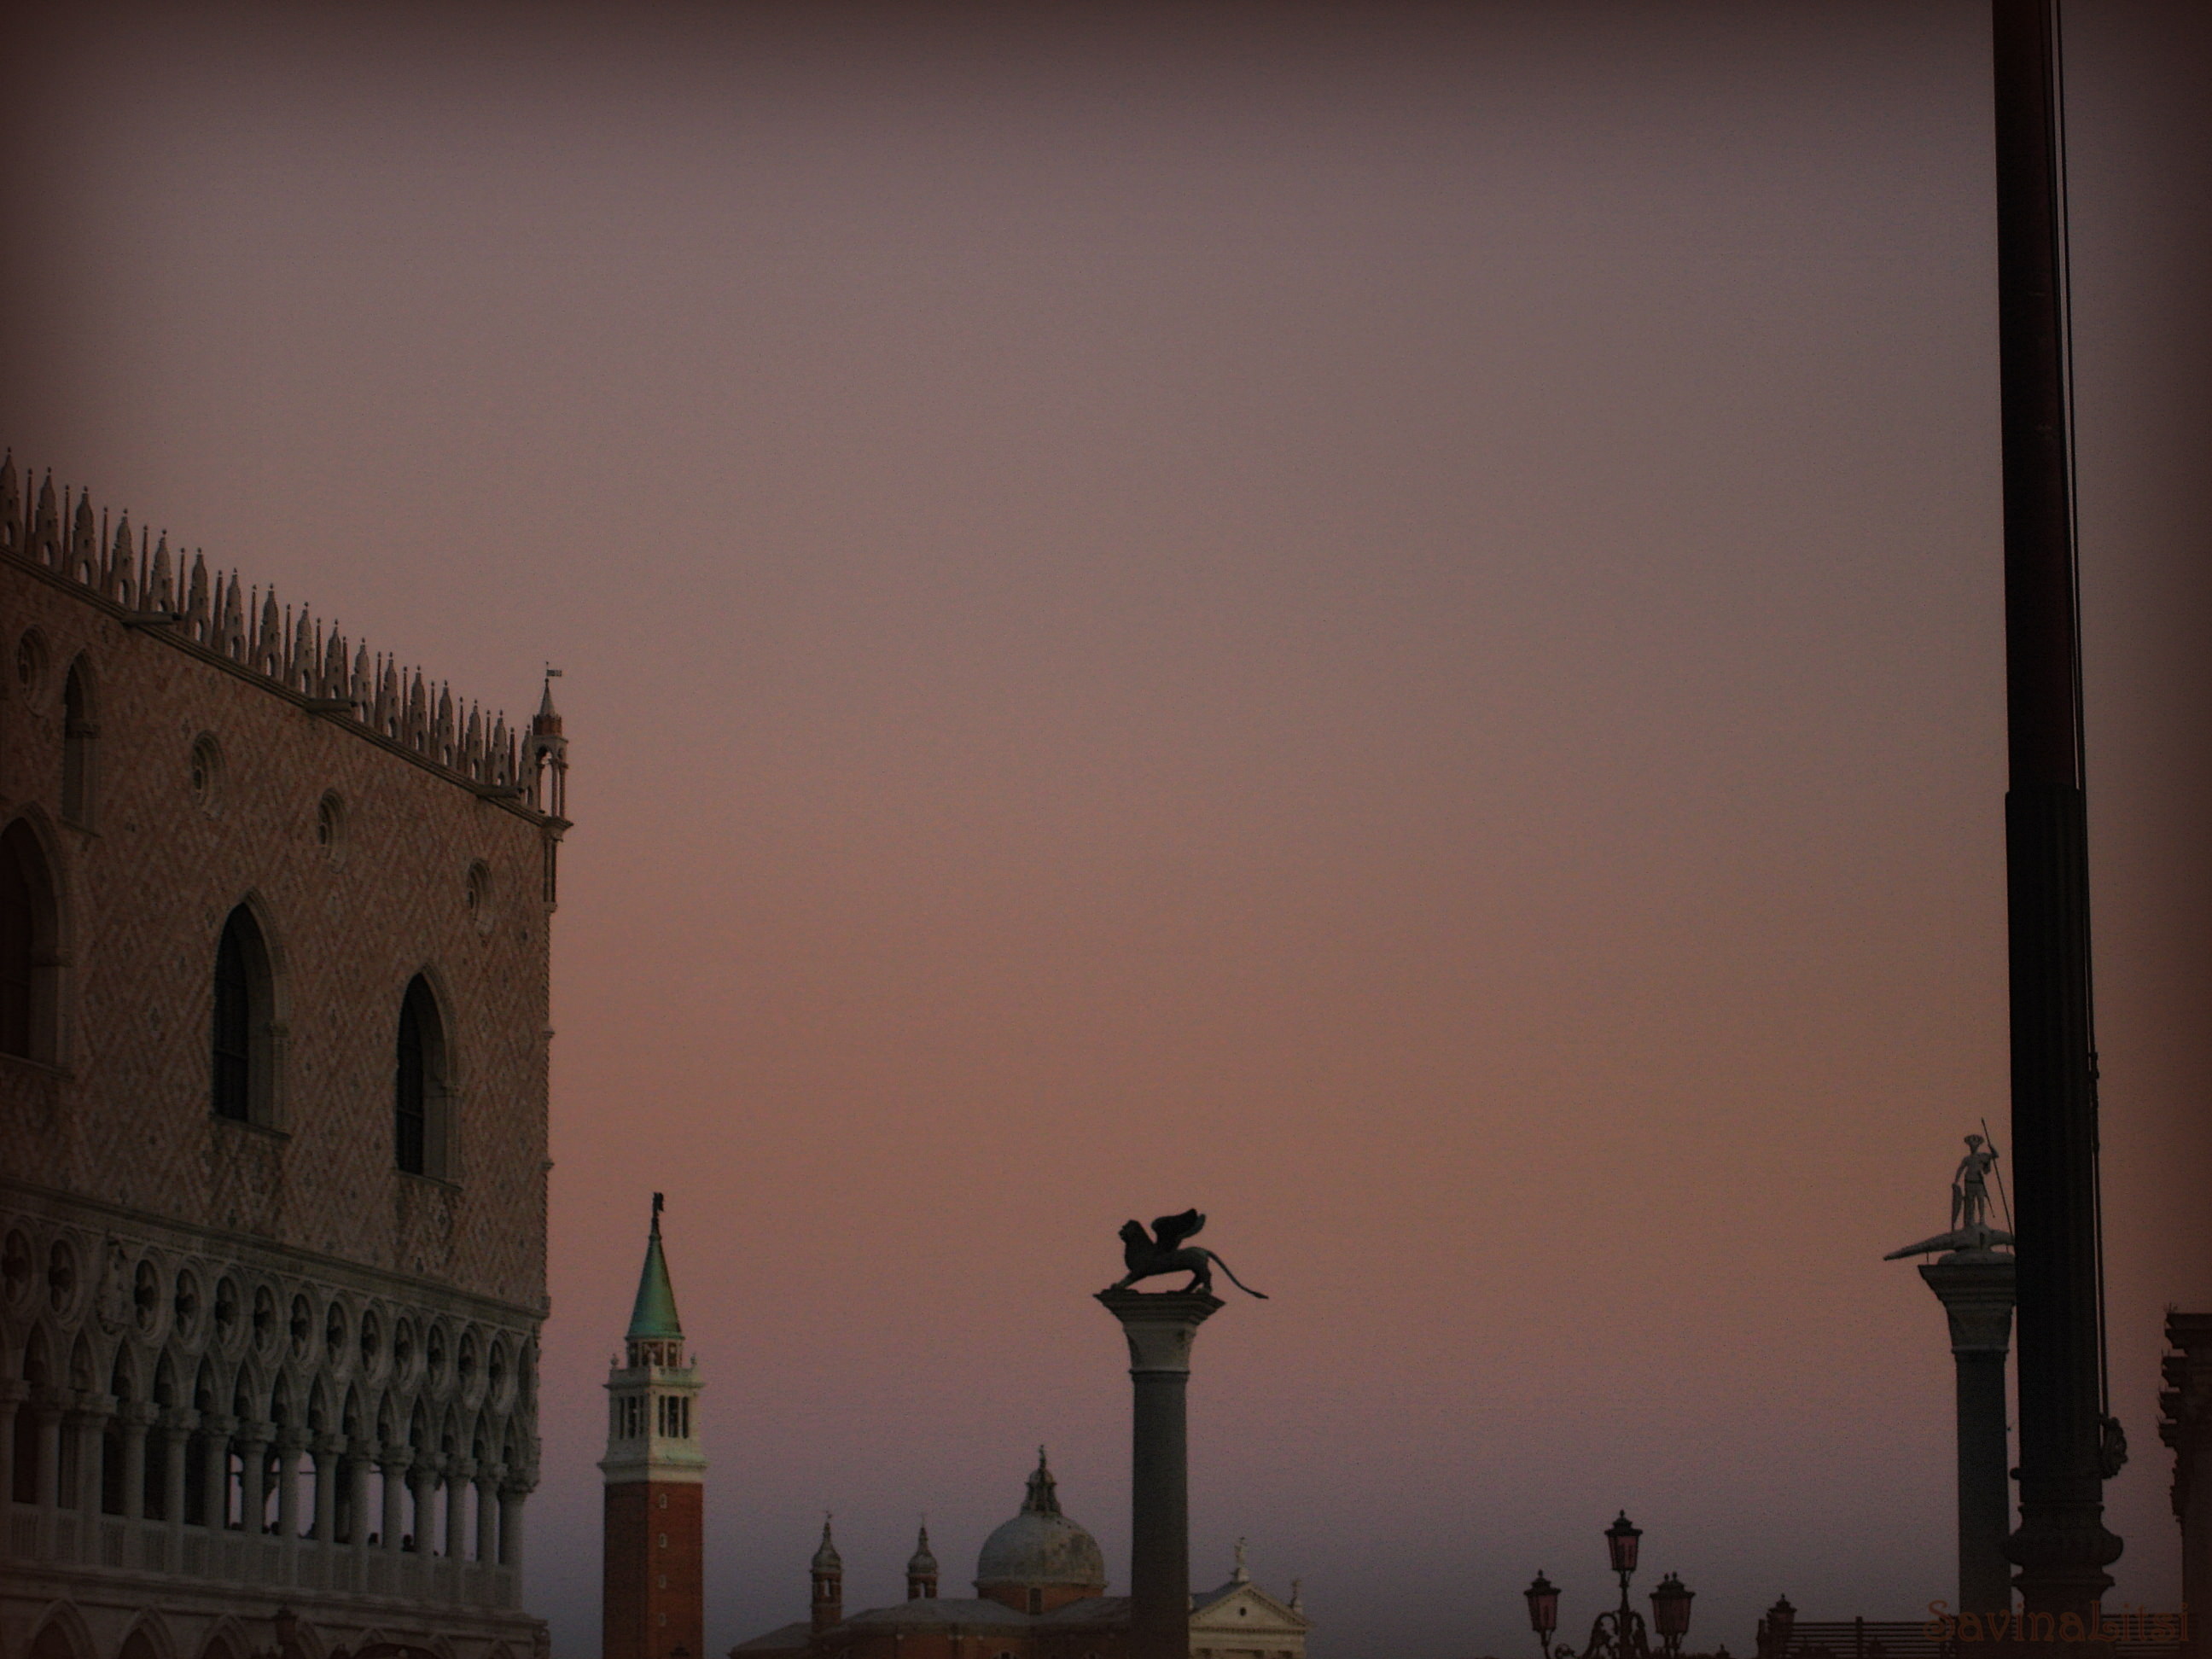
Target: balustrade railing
(115,1544)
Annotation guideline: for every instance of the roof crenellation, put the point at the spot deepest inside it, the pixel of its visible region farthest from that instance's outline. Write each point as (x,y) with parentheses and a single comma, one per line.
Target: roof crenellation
(210,614)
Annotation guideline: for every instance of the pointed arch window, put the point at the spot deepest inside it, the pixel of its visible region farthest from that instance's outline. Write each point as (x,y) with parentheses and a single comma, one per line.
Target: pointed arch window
(243,1050)
(79,732)
(29,962)
(420,1097)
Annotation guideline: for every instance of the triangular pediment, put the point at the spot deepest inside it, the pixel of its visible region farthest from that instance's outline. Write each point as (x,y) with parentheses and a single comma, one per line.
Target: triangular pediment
(1243,1606)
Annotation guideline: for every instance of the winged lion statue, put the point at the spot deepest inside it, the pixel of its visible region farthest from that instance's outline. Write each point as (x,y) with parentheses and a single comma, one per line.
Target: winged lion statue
(1147,1256)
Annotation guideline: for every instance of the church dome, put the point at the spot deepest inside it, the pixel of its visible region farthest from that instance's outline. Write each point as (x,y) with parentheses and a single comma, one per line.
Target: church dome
(1041,1547)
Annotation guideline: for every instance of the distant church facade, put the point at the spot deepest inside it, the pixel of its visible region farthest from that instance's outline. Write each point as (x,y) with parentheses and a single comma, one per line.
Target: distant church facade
(273,995)
(1040,1587)
(1040,1581)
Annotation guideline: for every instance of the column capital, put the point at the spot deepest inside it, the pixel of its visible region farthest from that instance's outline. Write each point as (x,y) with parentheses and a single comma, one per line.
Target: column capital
(253,1431)
(1977,1290)
(1160,1326)
(14,1391)
(461,1469)
(180,1419)
(216,1423)
(139,1414)
(292,1440)
(389,1458)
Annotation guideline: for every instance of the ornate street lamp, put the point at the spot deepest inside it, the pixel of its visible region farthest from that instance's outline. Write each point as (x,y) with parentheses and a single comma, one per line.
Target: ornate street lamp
(1670,1612)
(1543,1609)
(1619,1633)
(1620,1540)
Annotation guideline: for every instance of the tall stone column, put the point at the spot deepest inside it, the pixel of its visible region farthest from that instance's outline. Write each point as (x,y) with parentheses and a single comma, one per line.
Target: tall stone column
(2185,1425)
(1976,1290)
(1160,1328)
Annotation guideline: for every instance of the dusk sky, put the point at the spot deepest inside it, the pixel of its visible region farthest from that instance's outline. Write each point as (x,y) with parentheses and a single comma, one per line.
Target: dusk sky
(1384,620)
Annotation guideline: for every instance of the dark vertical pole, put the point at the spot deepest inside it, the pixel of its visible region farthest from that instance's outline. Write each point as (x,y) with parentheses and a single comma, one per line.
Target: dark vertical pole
(2061,1547)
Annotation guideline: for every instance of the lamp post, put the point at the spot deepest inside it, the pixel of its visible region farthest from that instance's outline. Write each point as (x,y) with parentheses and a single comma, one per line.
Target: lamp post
(1619,1633)
(1670,1613)
(1543,1609)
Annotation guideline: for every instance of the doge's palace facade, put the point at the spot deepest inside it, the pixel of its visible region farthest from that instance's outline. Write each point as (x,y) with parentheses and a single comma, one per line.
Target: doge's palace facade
(273,990)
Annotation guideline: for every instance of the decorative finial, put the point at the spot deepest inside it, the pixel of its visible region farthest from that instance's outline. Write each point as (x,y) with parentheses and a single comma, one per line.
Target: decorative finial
(1240,1576)
(657,1201)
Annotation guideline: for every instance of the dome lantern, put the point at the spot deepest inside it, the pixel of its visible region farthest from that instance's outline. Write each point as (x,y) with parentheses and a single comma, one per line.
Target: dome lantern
(1040,1559)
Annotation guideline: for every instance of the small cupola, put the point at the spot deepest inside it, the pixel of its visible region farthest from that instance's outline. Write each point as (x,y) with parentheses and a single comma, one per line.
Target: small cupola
(921,1571)
(827,1570)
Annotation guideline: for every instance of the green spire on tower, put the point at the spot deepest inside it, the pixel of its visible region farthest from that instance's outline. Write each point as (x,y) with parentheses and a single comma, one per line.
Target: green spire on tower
(653,1317)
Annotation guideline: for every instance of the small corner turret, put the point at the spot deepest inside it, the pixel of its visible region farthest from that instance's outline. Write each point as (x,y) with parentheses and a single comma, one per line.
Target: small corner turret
(548,754)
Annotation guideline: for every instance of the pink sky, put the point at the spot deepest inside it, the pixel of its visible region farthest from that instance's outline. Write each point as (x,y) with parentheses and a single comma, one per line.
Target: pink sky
(1383,620)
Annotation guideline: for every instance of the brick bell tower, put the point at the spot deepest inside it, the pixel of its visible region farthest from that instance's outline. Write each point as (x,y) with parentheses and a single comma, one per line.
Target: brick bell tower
(656,1481)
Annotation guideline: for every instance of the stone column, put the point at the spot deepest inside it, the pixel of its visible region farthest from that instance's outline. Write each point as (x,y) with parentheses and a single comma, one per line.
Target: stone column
(1160,1328)
(48,1417)
(1976,1289)
(512,1491)
(136,1417)
(12,1396)
(12,1401)
(329,1472)
(359,1524)
(176,1435)
(460,1476)
(214,1468)
(393,1465)
(422,1483)
(290,1442)
(253,1477)
(2185,1425)
(90,1422)
(487,1479)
